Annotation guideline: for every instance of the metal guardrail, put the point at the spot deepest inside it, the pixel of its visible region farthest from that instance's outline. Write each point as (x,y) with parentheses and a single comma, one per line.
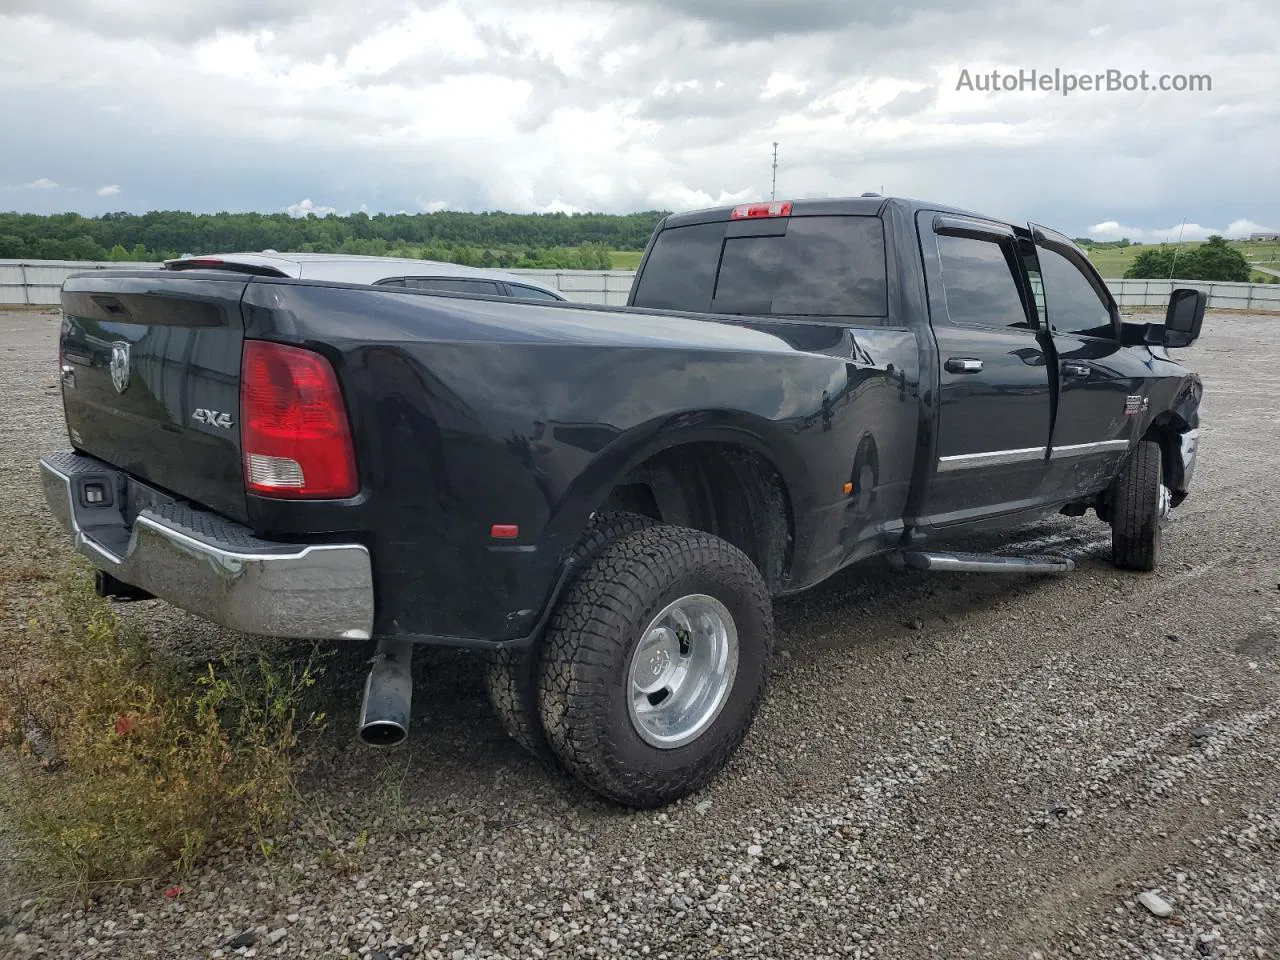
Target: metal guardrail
(38,282)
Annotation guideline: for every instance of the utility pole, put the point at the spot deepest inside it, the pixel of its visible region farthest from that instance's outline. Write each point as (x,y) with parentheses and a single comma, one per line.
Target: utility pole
(773,193)
(1176,250)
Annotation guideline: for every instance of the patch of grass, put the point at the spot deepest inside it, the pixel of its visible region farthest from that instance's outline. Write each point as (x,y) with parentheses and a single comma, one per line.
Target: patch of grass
(1112,262)
(626,259)
(128,765)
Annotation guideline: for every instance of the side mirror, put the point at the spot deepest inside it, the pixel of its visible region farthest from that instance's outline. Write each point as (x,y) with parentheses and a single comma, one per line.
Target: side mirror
(1184,318)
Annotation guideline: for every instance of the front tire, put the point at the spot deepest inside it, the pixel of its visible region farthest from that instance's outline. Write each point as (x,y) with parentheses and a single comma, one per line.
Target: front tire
(1139,507)
(655,665)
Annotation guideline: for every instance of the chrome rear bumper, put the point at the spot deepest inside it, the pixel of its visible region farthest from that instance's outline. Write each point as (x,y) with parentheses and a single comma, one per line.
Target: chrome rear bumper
(205,564)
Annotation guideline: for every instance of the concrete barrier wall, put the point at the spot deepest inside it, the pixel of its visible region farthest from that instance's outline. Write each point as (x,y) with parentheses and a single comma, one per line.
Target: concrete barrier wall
(1263,297)
(38,282)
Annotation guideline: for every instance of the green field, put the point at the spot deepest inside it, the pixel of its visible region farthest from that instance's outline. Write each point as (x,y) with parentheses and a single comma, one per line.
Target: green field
(1112,262)
(626,259)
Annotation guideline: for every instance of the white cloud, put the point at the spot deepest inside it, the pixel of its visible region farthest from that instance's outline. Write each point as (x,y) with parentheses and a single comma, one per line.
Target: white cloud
(1237,229)
(557,206)
(621,105)
(110,190)
(780,83)
(304,207)
(44,183)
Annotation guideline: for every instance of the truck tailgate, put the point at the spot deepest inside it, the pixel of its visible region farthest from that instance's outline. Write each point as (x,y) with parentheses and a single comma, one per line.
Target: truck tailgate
(151,380)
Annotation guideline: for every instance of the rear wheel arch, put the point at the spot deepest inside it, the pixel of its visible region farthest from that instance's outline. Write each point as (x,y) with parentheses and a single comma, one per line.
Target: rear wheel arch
(711,471)
(722,488)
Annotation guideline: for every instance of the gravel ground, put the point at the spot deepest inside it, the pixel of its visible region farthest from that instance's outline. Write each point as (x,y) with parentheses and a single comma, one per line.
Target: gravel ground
(963,766)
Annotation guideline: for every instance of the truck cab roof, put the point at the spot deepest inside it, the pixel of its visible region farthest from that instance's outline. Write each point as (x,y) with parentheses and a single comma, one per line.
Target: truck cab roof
(866,206)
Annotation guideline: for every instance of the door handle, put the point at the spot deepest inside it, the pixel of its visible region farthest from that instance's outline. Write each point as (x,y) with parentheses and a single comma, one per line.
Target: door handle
(963,365)
(1078,370)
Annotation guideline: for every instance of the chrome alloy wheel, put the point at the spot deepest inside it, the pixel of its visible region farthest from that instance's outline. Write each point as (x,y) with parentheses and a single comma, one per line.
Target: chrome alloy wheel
(682,671)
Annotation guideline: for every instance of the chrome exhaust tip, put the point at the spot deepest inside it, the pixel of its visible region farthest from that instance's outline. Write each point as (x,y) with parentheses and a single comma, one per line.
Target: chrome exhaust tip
(388,695)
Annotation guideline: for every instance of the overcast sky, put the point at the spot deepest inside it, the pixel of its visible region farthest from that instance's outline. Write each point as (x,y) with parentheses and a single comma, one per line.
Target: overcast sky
(622,105)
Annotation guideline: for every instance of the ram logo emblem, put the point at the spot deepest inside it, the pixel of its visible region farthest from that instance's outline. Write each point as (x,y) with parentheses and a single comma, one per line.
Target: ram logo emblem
(120,372)
(213,418)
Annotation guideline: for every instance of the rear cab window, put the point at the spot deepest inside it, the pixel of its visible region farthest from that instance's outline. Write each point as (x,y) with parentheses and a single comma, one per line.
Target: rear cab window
(799,266)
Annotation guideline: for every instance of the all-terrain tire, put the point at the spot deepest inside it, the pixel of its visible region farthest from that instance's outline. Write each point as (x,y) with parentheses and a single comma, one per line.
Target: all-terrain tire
(585,670)
(511,675)
(1136,519)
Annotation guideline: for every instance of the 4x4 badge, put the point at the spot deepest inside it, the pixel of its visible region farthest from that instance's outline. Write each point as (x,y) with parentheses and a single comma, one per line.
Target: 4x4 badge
(213,418)
(120,365)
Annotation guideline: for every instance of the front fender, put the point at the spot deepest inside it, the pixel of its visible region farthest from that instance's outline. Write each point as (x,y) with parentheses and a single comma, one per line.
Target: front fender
(1175,422)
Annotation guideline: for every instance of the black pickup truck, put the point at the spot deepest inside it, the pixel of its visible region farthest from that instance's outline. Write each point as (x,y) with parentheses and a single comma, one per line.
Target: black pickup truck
(603,501)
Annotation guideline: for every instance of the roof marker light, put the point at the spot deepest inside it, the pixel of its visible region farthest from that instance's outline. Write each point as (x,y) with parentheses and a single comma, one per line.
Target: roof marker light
(752,211)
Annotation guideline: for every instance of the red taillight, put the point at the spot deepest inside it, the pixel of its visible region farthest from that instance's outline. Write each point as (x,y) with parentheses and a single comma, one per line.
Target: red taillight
(203,262)
(293,425)
(750,211)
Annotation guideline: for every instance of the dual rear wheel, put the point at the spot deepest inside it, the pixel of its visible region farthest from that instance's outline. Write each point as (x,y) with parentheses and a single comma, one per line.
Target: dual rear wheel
(653,666)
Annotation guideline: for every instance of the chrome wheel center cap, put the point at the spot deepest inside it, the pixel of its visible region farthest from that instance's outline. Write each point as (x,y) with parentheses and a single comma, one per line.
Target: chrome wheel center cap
(682,671)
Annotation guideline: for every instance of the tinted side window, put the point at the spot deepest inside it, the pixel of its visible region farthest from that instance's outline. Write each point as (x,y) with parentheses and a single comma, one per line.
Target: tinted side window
(680,273)
(823,266)
(979,283)
(1072,303)
(454,285)
(529,293)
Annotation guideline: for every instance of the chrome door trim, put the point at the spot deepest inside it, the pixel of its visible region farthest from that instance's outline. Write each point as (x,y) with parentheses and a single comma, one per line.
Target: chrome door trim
(1087,449)
(992,458)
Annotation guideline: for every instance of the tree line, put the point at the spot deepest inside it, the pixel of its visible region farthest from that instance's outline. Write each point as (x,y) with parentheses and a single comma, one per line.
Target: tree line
(552,240)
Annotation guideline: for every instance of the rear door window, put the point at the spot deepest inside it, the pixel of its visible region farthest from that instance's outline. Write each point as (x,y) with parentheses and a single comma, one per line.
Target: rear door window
(979,282)
(520,292)
(808,266)
(454,285)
